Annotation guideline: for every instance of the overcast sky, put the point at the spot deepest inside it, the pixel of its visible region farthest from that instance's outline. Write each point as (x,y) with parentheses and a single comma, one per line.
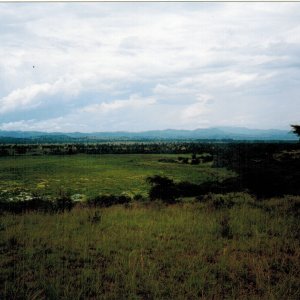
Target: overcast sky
(140,66)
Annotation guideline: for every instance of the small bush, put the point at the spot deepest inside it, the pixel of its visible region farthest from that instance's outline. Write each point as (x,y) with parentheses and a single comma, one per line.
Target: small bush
(162,188)
(225,229)
(38,203)
(218,201)
(195,161)
(108,200)
(63,203)
(95,218)
(288,205)
(139,197)
(35,204)
(183,160)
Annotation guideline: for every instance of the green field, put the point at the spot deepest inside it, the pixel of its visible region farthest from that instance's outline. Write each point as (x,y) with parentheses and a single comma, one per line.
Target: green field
(95,174)
(210,246)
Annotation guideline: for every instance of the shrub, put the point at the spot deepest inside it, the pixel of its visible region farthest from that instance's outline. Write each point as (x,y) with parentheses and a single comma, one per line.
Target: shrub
(108,200)
(288,205)
(162,188)
(95,218)
(225,229)
(218,201)
(195,161)
(183,160)
(138,197)
(38,203)
(64,203)
(167,190)
(35,204)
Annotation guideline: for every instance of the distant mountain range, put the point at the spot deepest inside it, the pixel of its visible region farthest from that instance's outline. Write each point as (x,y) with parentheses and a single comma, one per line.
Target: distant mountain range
(216,133)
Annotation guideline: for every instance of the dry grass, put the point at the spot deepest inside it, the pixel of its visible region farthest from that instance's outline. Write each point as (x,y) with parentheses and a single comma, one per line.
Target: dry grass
(183,251)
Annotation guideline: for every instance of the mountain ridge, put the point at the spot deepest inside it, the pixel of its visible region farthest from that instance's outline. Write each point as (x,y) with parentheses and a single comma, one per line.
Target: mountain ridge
(214,133)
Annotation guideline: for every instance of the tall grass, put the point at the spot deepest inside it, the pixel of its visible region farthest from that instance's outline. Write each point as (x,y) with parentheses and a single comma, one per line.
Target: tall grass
(189,250)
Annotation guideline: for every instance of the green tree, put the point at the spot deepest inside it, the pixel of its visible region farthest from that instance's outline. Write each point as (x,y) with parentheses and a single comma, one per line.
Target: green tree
(162,188)
(296,129)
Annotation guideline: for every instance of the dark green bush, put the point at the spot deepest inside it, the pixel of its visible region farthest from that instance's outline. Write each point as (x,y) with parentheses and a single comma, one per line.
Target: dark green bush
(162,188)
(38,203)
(64,203)
(35,204)
(167,190)
(95,218)
(218,201)
(108,200)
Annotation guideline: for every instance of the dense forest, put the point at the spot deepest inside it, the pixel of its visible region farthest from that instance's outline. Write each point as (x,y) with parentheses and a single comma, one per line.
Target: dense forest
(177,147)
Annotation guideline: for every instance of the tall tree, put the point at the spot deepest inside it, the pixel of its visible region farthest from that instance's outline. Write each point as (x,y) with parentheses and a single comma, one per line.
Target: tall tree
(296,129)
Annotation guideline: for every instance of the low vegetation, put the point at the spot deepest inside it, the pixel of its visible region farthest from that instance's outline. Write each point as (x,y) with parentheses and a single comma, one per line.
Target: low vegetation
(152,226)
(92,175)
(224,246)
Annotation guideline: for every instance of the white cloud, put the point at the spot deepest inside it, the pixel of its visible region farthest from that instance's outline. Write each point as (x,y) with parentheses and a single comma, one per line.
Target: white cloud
(88,56)
(173,90)
(221,79)
(28,125)
(30,96)
(135,101)
(25,97)
(192,112)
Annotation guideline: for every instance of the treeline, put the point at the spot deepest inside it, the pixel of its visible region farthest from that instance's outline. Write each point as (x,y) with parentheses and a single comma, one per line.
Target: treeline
(214,148)
(165,189)
(265,170)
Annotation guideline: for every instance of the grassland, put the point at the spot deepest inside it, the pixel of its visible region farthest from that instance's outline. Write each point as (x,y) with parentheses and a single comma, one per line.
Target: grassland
(183,251)
(94,174)
(217,246)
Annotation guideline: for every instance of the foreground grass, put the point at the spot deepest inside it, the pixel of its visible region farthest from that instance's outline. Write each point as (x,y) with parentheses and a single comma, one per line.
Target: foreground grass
(94,174)
(183,251)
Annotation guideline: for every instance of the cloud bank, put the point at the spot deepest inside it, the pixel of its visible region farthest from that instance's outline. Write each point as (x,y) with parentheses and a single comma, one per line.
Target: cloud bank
(141,66)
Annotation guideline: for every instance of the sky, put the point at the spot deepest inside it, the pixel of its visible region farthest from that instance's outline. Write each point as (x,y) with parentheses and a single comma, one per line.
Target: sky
(148,66)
